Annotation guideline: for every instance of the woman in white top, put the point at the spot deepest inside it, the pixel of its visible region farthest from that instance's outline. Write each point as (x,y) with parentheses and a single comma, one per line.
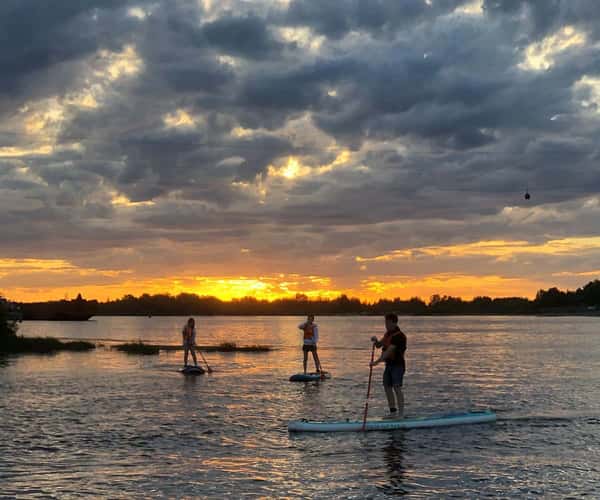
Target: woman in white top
(311,337)
(189,341)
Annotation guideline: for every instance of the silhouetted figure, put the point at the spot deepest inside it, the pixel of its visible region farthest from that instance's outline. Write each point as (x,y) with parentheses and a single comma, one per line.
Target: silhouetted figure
(189,341)
(393,347)
(311,337)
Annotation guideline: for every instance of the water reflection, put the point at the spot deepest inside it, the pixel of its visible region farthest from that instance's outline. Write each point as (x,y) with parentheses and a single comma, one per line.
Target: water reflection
(393,458)
(190,381)
(104,424)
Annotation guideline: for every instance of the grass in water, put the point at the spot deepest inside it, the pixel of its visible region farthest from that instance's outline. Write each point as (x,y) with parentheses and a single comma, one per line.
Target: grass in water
(41,345)
(233,347)
(223,347)
(137,348)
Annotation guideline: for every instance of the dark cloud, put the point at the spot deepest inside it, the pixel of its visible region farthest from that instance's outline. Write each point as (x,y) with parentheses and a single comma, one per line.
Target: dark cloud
(337,19)
(445,125)
(242,36)
(41,42)
(538,19)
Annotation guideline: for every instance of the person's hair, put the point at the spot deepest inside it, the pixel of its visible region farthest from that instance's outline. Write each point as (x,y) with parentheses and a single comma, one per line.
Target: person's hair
(192,321)
(393,317)
(310,316)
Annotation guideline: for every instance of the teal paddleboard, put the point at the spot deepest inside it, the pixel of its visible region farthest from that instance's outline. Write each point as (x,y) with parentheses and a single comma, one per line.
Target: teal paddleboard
(463,418)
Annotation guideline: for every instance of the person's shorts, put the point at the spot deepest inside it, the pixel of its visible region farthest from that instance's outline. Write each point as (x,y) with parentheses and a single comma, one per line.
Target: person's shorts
(393,375)
(309,348)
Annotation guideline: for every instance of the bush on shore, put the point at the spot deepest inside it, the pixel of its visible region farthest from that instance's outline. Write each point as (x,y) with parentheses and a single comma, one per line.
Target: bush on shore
(8,329)
(12,343)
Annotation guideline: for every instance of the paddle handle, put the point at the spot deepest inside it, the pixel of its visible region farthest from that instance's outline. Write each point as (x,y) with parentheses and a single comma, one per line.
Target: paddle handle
(364,425)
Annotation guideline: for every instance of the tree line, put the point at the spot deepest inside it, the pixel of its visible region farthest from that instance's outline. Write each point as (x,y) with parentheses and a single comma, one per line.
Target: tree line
(553,300)
(583,300)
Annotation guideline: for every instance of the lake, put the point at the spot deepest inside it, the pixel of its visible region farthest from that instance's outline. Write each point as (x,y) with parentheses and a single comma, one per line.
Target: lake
(104,423)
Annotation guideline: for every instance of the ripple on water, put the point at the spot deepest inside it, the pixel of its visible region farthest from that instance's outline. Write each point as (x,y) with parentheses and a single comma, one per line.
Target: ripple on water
(106,424)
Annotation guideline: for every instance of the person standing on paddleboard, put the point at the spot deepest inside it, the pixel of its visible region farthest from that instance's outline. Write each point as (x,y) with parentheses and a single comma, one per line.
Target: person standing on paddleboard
(189,341)
(311,337)
(393,347)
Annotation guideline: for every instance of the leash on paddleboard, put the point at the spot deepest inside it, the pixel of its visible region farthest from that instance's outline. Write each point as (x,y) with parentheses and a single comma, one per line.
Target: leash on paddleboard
(364,424)
(210,370)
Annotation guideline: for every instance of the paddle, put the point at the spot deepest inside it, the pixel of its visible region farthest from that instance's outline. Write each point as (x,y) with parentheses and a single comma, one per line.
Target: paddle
(364,425)
(205,362)
(321,371)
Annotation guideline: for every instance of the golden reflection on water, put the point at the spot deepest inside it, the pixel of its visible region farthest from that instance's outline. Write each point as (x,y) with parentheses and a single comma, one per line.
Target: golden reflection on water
(109,424)
(246,465)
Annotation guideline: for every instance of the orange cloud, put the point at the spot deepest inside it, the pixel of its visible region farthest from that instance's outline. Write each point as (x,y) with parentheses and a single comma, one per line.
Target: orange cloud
(500,249)
(465,286)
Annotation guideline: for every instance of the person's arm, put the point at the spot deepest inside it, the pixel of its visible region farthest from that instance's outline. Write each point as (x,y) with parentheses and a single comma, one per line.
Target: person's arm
(388,353)
(316,334)
(301,326)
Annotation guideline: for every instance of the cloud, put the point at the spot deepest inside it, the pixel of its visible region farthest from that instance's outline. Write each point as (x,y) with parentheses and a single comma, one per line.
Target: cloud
(541,55)
(498,249)
(306,132)
(242,36)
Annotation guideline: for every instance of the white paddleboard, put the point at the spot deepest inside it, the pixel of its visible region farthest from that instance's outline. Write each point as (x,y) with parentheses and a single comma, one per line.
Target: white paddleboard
(463,418)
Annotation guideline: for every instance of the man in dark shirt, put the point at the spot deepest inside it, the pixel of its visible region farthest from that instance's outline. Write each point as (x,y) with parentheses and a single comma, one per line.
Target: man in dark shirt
(393,347)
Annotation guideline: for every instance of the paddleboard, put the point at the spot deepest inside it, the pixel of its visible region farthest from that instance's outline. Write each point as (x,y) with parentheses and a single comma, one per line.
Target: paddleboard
(309,377)
(463,418)
(192,370)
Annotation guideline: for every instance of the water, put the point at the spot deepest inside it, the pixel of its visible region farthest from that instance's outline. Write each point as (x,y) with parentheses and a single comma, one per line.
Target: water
(107,424)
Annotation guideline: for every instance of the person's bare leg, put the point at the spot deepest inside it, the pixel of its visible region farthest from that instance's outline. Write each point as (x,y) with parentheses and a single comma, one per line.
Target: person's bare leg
(389,393)
(305,360)
(185,356)
(194,356)
(400,400)
(317,361)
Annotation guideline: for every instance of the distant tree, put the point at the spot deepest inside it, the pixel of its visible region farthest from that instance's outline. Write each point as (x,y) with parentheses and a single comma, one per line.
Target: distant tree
(8,328)
(551,298)
(447,305)
(481,305)
(590,293)
(434,300)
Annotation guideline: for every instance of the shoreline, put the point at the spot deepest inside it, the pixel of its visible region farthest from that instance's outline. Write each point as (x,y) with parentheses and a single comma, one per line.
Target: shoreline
(300,315)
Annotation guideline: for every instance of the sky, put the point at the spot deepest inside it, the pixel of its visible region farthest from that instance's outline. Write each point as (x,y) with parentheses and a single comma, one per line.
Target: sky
(272,147)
